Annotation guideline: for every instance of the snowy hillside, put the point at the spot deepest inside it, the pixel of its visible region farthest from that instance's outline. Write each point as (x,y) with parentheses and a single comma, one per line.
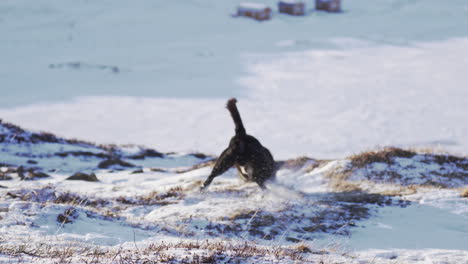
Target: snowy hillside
(148,207)
(383,72)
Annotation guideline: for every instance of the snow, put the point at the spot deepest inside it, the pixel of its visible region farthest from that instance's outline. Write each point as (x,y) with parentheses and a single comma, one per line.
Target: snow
(254,6)
(158,73)
(291,1)
(358,96)
(422,226)
(125,210)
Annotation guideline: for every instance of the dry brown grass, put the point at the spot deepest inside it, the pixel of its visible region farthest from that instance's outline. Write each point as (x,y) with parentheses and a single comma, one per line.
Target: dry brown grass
(456,171)
(385,155)
(464,192)
(338,181)
(401,191)
(171,196)
(182,252)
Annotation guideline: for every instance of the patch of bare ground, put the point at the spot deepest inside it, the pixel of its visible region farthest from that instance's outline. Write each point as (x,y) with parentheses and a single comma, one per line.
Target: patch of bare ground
(182,252)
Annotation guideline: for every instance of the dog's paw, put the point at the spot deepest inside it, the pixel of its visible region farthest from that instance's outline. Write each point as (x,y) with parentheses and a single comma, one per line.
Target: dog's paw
(203,188)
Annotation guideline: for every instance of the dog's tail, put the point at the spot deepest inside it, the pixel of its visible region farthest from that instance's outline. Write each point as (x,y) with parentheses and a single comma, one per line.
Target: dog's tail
(231,106)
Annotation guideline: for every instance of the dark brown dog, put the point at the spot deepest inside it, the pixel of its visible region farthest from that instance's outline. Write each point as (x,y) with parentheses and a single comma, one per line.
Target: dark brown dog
(253,161)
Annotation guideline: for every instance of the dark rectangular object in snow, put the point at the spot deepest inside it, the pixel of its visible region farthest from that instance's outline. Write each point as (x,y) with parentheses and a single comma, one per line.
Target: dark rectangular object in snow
(259,12)
(328,5)
(292,7)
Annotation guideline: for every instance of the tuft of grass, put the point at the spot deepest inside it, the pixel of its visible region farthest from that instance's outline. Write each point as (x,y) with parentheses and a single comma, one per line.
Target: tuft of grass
(171,196)
(385,155)
(338,180)
(303,248)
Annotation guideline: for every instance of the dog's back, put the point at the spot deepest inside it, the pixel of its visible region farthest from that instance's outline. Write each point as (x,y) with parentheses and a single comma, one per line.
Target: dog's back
(256,163)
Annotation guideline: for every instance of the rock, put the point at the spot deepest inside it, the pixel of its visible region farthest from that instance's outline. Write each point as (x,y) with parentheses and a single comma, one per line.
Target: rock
(80,176)
(3,187)
(158,170)
(112,162)
(39,175)
(137,171)
(31,162)
(199,155)
(147,153)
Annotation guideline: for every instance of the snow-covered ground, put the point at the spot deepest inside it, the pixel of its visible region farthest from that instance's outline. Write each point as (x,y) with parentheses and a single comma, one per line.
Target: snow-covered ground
(377,207)
(156,74)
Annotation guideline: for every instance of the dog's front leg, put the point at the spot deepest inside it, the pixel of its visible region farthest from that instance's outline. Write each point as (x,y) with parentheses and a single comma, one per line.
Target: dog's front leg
(227,159)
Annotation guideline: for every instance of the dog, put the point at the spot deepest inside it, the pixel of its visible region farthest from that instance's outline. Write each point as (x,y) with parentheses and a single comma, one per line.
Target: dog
(253,161)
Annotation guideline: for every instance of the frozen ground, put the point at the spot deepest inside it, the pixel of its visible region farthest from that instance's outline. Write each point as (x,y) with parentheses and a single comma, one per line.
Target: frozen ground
(386,206)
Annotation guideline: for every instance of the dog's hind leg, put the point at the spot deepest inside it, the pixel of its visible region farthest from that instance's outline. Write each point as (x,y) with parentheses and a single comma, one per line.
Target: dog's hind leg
(263,174)
(227,159)
(260,181)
